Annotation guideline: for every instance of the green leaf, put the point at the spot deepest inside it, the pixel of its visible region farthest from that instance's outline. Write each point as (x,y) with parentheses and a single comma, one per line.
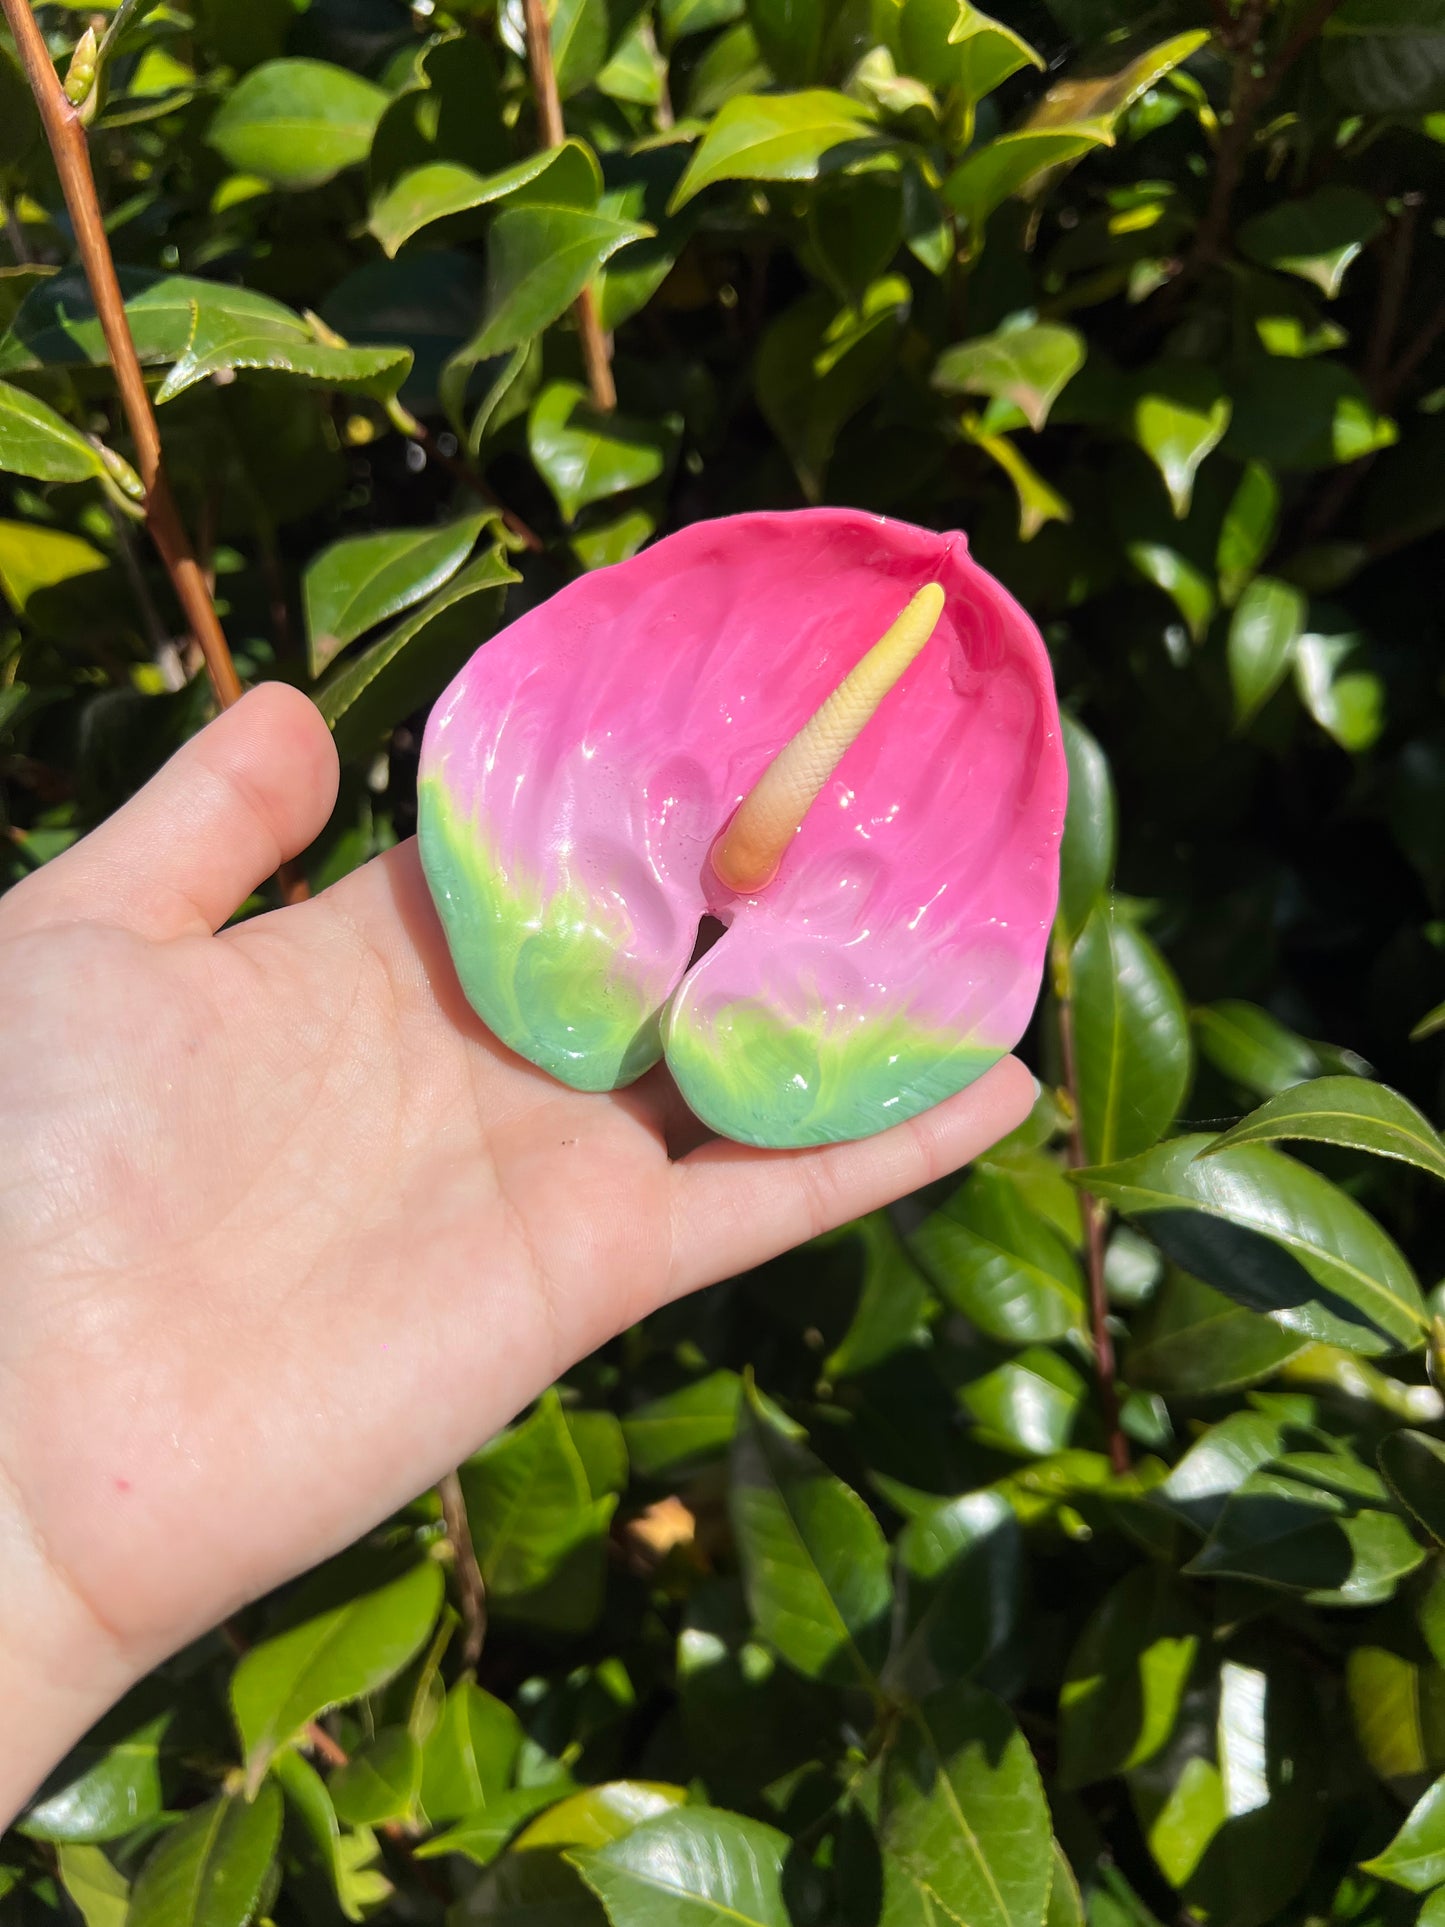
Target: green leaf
(1029,365)
(1131,1035)
(1193,1342)
(1268,621)
(1006,1270)
(1348,702)
(539,259)
(1386,56)
(107,1787)
(1186,586)
(483,1834)
(535,1889)
(693,1867)
(773,137)
(601,1814)
(346,1861)
(1252,1048)
(100,1892)
(540,1535)
(1086,858)
(1415,1858)
(202,327)
(1038,503)
(680,18)
(1414,1467)
(1348,1111)
(962,1810)
(1316,238)
(1247,532)
(790,35)
(360,581)
(1398,1710)
(1030,1405)
(585,454)
(696,1422)
(1125,1681)
(380,1782)
(891,1314)
(984,52)
(1003,167)
(814,1561)
(35,441)
(296,123)
(336,1656)
(1180,414)
(579,32)
(565,176)
(1275,1236)
(1218,1463)
(365,695)
(959,1583)
(1304,415)
(1314,1523)
(468,1759)
(1232,1808)
(35,559)
(209,1870)
(819,364)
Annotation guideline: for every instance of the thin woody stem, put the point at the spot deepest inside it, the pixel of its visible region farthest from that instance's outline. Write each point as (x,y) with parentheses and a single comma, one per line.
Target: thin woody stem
(595,352)
(65,136)
(470,1584)
(1093,1216)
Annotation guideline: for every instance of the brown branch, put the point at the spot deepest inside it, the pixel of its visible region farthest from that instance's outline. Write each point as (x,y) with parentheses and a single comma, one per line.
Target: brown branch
(1093,1216)
(1250,88)
(65,134)
(15,235)
(1394,280)
(1414,357)
(470,1583)
(595,353)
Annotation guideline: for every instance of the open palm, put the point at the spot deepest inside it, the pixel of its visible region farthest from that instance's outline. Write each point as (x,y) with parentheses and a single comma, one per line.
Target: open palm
(286,1232)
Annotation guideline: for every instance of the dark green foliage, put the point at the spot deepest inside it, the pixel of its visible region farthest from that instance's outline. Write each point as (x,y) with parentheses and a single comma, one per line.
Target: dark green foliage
(816,1602)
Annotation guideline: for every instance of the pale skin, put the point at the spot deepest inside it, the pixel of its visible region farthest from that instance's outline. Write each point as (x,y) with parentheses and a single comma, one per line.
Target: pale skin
(285,1233)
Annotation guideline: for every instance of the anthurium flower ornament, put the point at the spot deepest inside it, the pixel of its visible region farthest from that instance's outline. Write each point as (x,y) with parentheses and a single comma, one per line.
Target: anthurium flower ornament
(833,733)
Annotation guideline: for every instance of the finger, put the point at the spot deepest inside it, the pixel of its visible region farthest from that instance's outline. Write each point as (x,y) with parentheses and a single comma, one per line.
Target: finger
(735,1207)
(251,790)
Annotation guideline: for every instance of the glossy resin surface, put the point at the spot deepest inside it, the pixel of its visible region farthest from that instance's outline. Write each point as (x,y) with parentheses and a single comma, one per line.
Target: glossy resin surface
(578,771)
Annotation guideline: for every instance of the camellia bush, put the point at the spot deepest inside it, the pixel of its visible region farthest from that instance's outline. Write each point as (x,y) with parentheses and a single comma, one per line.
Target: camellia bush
(1063,1544)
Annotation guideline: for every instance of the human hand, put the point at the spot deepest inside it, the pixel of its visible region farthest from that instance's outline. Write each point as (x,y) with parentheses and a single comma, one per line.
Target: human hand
(286,1233)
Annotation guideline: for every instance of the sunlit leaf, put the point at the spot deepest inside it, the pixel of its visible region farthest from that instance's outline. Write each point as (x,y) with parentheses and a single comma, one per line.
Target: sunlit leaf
(297,122)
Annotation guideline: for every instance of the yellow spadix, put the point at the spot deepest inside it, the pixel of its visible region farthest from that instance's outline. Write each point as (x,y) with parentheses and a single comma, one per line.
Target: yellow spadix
(747,854)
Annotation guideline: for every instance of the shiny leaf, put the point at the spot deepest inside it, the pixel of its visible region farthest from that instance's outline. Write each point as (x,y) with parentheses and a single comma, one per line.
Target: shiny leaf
(1414,1467)
(998,1264)
(359,582)
(1180,413)
(814,1562)
(1028,365)
(1125,1680)
(1316,238)
(1349,1111)
(963,1811)
(959,1579)
(539,259)
(1276,1237)
(692,1867)
(1086,858)
(773,137)
(1131,1038)
(333,1657)
(210,1869)
(1268,621)
(1252,1048)
(695,1422)
(297,122)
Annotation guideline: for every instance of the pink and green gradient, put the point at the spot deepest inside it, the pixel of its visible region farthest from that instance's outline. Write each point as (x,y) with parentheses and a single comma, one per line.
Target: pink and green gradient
(576,774)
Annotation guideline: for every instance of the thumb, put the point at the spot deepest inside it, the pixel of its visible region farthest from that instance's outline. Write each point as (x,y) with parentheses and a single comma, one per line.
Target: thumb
(239,799)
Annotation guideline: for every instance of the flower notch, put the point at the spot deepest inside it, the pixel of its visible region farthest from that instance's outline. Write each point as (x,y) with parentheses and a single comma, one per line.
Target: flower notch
(750,849)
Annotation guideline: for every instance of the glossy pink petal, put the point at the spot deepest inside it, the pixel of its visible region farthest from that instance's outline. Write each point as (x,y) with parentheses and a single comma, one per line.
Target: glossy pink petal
(577,773)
